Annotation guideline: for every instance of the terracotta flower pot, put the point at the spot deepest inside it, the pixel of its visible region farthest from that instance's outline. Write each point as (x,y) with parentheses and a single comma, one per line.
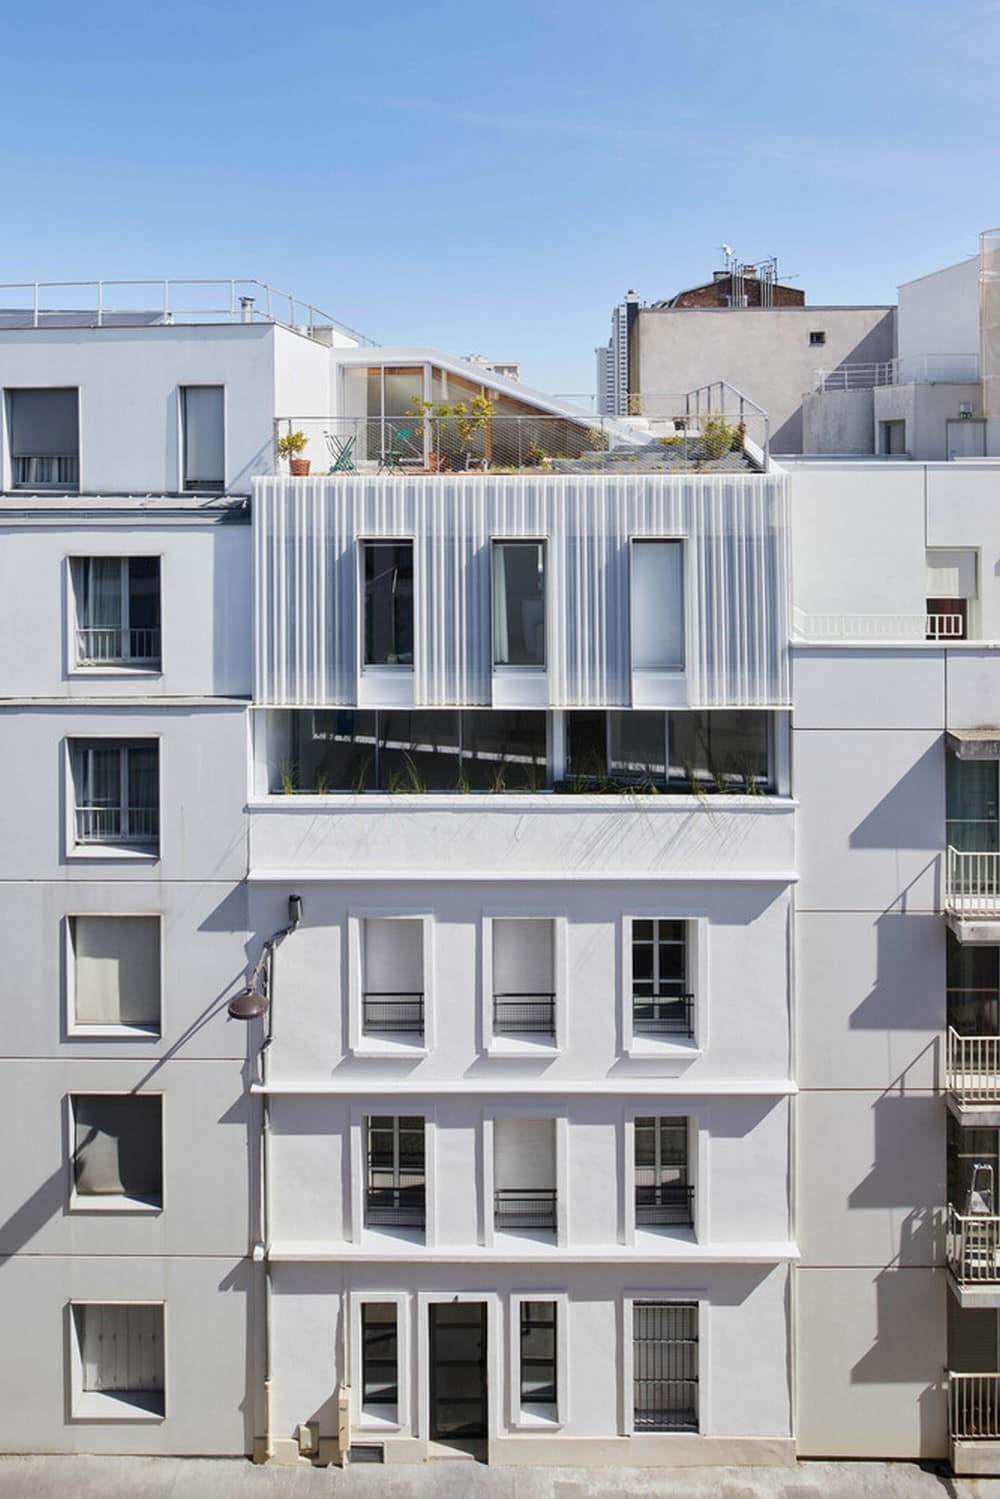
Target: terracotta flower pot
(299,465)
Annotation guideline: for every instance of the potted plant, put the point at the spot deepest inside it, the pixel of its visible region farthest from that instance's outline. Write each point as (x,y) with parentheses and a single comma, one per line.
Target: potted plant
(289,447)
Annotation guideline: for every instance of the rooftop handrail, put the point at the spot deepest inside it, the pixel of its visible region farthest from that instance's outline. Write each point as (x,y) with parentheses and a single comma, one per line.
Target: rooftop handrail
(240,305)
(911,369)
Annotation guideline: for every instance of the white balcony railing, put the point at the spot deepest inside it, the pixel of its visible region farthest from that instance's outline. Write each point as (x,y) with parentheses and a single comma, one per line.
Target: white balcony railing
(878,626)
(973,1248)
(95,646)
(973,1068)
(913,369)
(972,884)
(974,1407)
(117,824)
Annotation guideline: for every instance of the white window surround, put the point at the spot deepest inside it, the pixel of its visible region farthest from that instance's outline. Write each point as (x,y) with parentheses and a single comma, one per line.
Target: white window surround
(79,1030)
(529,1109)
(515,1046)
(537,1418)
(360,1044)
(358,1149)
(123,852)
(678,1294)
(104,1405)
(112,1203)
(697,1170)
(72,667)
(494,1361)
(666,1048)
(387,1419)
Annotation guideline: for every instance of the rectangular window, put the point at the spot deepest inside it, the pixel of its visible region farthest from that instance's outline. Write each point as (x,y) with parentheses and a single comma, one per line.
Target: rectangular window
(725,750)
(118,1148)
(418,751)
(379,1353)
(519,603)
(817,337)
(44,438)
(524,1172)
(952,590)
(665,1365)
(973,987)
(657,605)
(388,584)
(396,1190)
(116,971)
(663,1193)
(637,748)
(393,975)
(538,1353)
(116,789)
(118,1358)
(117,610)
(203,437)
(524,986)
(503,750)
(662,1002)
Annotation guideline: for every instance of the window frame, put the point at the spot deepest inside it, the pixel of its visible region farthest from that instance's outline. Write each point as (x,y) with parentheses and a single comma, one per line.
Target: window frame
(382,669)
(96,1407)
(378,1418)
(86,1202)
(534,668)
(200,487)
(494,1045)
(661,1163)
(362,1043)
(674,1297)
(7,455)
(80,1030)
(118,665)
(150,850)
(668,1045)
(515,1109)
(549,1417)
(665,681)
(697,1176)
(360,1114)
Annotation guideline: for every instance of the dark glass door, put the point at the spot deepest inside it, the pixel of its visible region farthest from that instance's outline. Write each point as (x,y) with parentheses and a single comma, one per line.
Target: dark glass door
(458,1369)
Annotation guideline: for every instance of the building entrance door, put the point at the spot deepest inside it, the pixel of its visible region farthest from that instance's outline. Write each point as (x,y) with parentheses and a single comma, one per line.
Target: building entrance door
(458,1369)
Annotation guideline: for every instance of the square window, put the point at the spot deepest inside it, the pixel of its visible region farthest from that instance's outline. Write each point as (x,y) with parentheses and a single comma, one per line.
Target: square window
(115,972)
(44,427)
(117,611)
(817,336)
(118,1362)
(117,1144)
(116,792)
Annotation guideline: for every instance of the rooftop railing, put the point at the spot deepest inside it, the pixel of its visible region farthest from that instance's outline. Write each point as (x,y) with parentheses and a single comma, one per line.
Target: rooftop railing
(972,1068)
(126,304)
(914,369)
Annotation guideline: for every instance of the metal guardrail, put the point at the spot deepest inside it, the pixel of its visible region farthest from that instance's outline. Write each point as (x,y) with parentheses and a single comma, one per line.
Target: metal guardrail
(663,1014)
(972,1068)
(877,626)
(972,883)
(96,645)
(973,1248)
(914,369)
(517,1207)
(524,1014)
(404,1206)
(974,1406)
(117,824)
(662,1203)
(391,1011)
(161,303)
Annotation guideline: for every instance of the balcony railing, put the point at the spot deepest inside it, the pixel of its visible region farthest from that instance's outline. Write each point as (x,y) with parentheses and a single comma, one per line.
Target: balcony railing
(663,1015)
(914,369)
(973,1068)
(974,1248)
(402,1206)
(972,884)
(522,1014)
(517,1207)
(117,824)
(664,1203)
(917,626)
(97,645)
(51,471)
(391,1012)
(974,1407)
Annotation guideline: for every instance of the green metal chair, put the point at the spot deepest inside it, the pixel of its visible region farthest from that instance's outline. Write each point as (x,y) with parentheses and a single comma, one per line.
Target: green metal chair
(341,450)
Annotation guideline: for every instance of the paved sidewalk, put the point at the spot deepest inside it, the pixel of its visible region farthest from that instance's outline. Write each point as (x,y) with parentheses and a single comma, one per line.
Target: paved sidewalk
(204,1478)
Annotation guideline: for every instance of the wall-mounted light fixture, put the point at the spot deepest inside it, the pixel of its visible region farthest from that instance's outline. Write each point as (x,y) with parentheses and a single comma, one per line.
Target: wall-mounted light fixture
(252,1002)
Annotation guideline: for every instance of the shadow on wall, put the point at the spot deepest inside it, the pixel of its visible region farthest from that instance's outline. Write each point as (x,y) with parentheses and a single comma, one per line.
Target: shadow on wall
(908,1167)
(910,1347)
(242,1282)
(909,989)
(908,816)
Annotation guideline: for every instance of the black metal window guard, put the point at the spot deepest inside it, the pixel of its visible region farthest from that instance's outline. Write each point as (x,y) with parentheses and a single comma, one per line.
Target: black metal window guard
(527,1207)
(666,1405)
(665,1203)
(390,1012)
(663,1014)
(396,1207)
(518,1014)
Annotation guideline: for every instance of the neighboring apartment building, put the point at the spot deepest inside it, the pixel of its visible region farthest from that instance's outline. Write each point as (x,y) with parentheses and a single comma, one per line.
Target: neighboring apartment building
(744,328)
(601,848)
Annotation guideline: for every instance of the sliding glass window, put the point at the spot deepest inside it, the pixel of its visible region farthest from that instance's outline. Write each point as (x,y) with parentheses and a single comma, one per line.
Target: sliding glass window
(519,603)
(388,582)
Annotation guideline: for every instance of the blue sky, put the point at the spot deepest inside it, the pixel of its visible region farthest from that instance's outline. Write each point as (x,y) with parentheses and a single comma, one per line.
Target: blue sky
(492,178)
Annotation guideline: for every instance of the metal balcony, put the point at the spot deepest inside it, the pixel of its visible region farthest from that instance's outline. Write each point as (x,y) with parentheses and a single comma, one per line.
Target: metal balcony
(972,1069)
(663,1014)
(521,1207)
(524,1014)
(664,1203)
(973,1251)
(118,647)
(396,1207)
(117,824)
(392,1013)
(972,894)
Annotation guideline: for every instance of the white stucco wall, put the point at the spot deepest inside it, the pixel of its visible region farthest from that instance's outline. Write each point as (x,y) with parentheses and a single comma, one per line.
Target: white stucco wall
(939,313)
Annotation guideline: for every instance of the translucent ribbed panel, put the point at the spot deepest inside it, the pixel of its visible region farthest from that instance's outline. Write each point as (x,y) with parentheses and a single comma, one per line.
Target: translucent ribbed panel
(736,568)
